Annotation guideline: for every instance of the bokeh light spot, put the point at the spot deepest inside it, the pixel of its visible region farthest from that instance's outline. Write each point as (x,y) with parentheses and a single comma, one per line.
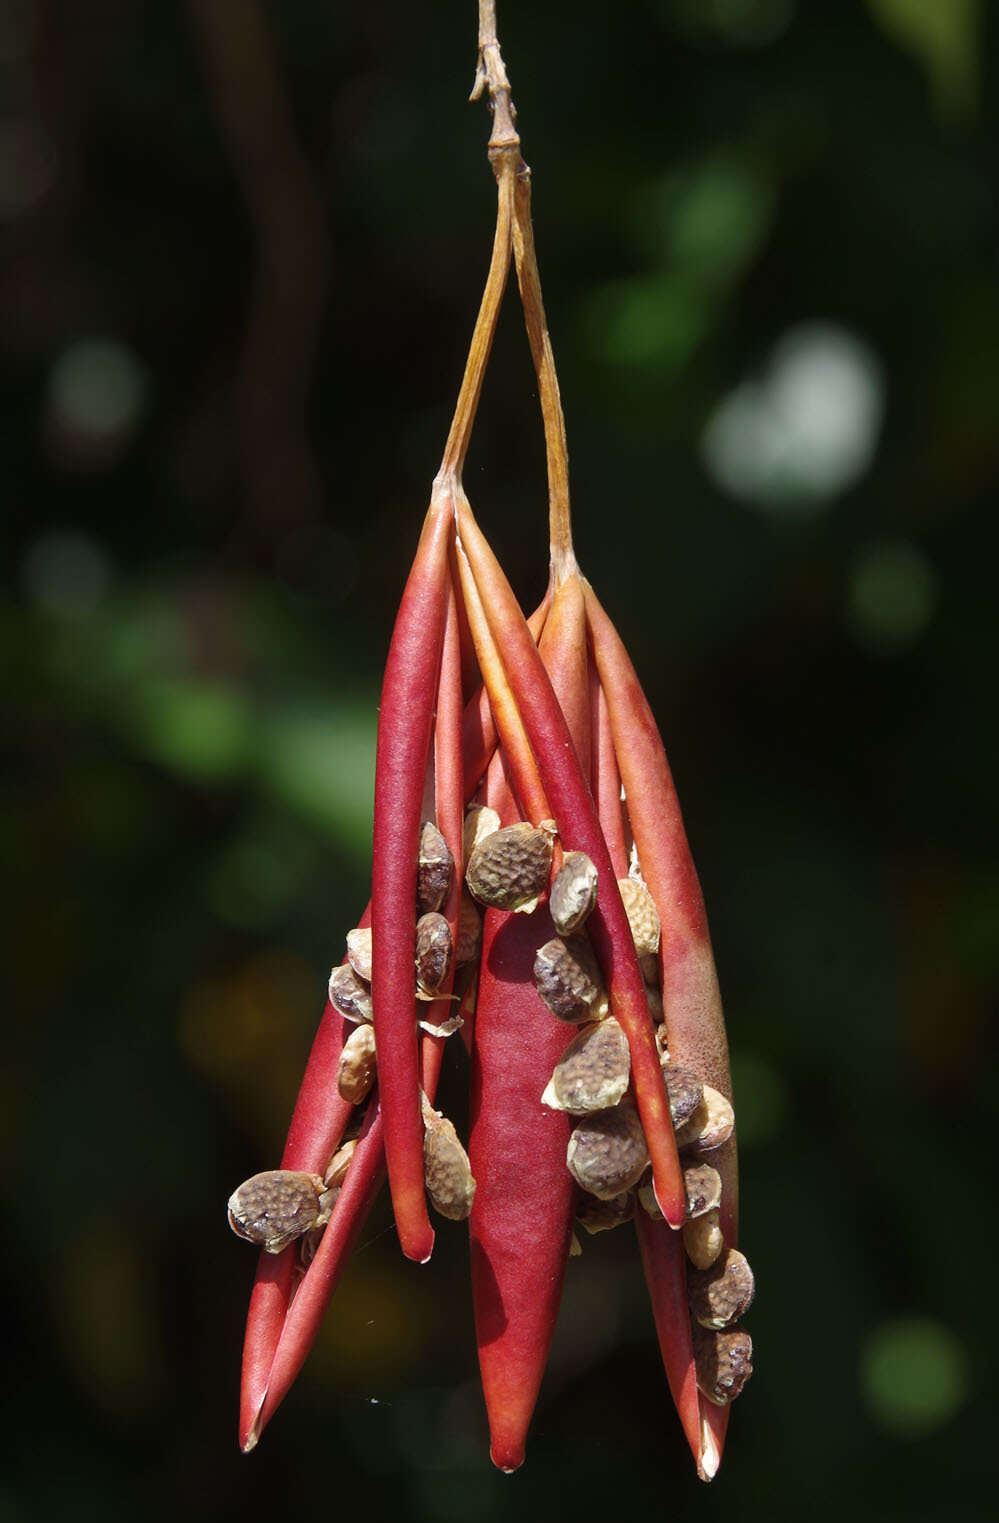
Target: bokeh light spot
(66,573)
(913,1375)
(892,595)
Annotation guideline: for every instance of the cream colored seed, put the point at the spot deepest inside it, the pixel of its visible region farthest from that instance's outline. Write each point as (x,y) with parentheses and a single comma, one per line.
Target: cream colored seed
(593,1072)
(711,1124)
(349,994)
(685,1093)
(433,878)
(336,1169)
(704,1189)
(574,892)
(433,953)
(508,870)
(643,917)
(703,1240)
(359,951)
(469,932)
(723,1361)
(480,821)
(569,981)
(277,1206)
(720,1295)
(647,1201)
(607,1152)
(356,1069)
(448,1173)
(603,1215)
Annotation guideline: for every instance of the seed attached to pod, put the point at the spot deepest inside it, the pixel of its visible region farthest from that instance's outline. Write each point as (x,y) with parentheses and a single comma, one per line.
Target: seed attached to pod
(724,1362)
(647,1200)
(569,981)
(710,1125)
(336,1169)
(433,953)
(703,1240)
(607,1152)
(602,1215)
(355,1072)
(277,1206)
(704,1189)
(593,1072)
(508,870)
(685,1093)
(359,951)
(574,892)
(643,917)
(720,1295)
(450,1184)
(480,821)
(469,932)
(349,994)
(436,864)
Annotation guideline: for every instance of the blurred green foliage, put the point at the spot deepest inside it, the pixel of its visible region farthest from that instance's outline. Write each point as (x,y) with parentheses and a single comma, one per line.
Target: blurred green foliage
(769,239)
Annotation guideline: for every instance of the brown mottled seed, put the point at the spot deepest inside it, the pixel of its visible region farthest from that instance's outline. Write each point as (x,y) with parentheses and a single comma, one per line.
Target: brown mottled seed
(720,1295)
(685,1093)
(568,979)
(724,1362)
(607,1152)
(643,917)
(647,1200)
(593,1072)
(277,1206)
(336,1169)
(469,932)
(602,1215)
(574,892)
(436,864)
(508,869)
(704,1189)
(433,953)
(703,1240)
(349,994)
(710,1125)
(355,1073)
(480,821)
(450,1184)
(359,951)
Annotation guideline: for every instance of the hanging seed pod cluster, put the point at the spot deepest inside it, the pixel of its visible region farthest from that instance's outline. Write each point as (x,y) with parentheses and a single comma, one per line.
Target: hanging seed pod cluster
(532,886)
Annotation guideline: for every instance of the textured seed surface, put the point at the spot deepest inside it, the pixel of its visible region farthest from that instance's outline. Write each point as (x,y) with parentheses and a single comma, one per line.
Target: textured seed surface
(711,1124)
(273,1208)
(349,994)
(469,932)
(433,878)
(724,1362)
(433,952)
(574,892)
(593,1072)
(355,1072)
(685,1093)
(703,1186)
(448,1173)
(359,951)
(607,1152)
(509,868)
(336,1169)
(703,1240)
(601,1215)
(480,821)
(720,1295)
(568,979)
(643,917)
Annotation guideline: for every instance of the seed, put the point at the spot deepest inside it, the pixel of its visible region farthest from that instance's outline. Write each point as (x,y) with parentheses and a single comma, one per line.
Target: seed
(349,994)
(569,981)
(724,1362)
(448,1173)
(355,1072)
(685,1093)
(601,1215)
(703,1240)
(720,1295)
(359,952)
(480,821)
(336,1169)
(509,868)
(643,917)
(607,1152)
(469,932)
(436,864)
(709,1125)
(574,892)
(662,1041)
(647,1200)
(593,1072)
(704,1188)
(433,952)
(273,1208)
(575,1247)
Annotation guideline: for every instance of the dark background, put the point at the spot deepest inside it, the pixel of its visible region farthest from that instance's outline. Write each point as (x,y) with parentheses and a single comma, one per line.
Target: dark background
(242,246)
